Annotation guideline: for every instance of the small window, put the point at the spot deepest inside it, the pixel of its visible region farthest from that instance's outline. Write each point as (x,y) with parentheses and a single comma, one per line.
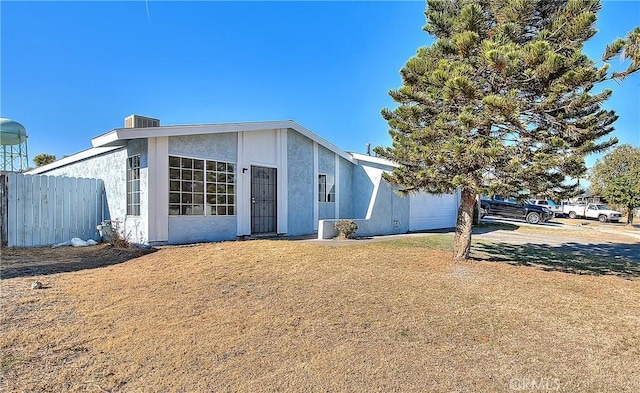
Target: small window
(326,188)
(133,186)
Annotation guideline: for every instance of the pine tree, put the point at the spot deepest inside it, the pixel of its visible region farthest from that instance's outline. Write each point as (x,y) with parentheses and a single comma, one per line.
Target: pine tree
(503,102)
(43,159)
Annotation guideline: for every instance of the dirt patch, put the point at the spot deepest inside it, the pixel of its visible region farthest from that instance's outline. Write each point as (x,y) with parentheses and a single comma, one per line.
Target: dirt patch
(36,261)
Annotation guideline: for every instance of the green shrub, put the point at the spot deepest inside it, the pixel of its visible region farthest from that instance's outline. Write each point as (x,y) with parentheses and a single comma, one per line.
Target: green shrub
(346,228)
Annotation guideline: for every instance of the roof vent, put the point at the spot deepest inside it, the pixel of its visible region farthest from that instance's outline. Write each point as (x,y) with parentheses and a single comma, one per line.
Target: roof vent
(137,121)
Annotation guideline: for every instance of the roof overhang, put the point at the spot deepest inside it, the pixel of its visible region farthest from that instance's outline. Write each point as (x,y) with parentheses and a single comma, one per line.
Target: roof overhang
(119,136)
(96,151)
(375,160)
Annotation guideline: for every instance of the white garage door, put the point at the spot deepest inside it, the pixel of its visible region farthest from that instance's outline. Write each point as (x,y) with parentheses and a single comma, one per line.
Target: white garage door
(427,211)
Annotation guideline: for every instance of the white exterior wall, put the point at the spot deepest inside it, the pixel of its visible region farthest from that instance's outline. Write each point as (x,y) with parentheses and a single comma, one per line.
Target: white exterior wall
(267,148)
(379,210)
(327,166)
(302,199)
(200,228)
(158,199)
(111,167)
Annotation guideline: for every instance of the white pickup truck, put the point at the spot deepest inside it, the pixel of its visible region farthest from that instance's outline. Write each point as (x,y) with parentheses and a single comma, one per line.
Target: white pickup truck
(593,210)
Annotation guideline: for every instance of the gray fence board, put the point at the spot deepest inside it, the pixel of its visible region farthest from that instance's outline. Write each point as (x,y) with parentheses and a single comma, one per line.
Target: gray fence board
(14,183)
(3,209)
(51,212)
(65,227)
(44,210)
(27,232)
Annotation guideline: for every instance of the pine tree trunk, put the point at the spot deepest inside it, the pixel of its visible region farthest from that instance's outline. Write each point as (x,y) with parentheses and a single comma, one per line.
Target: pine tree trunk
(464,223)
(630,215)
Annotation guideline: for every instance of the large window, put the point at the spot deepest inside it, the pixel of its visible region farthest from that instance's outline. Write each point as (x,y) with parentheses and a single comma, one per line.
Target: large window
(326,188)
(133,186)
(199,187)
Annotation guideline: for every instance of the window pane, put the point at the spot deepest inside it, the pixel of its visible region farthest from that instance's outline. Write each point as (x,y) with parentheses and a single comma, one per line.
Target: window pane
(133,185)
(174,210)
(221,199)
(231,168)
(230,178)
(211,177)
(231,211)
(174,197)
(187,186)
(174,174)
(187,174)
(213,211)
(198,164)
(221,178)
(231,199)
(198,198)
(211,199)
(221,166)
(198,175)
(222,210)
(174,161)
(221,188)
(198,186)
(187,198)
(187,163)
(326,188)
(231,189)
(174,186)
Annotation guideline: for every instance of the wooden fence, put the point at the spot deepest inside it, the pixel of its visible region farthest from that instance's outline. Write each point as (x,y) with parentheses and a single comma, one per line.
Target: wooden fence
(42,210)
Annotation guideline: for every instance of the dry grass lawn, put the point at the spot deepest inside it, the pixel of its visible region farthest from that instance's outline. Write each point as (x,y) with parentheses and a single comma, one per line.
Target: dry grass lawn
(282,316)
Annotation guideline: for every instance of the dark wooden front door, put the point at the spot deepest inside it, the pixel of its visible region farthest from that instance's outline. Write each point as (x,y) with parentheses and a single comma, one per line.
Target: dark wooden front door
(263,200)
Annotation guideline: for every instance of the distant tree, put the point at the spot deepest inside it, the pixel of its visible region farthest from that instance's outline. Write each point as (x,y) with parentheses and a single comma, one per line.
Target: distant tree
(43,159)
(503,102)
(617,178)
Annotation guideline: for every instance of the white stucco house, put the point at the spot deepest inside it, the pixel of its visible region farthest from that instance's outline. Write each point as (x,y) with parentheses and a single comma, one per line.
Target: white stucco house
(211,182)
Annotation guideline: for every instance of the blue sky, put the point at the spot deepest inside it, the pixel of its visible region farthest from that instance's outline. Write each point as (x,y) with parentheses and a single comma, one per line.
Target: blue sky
(73,70)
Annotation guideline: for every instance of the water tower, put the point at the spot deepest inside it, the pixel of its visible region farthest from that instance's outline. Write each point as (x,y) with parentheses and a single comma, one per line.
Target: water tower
(13,141)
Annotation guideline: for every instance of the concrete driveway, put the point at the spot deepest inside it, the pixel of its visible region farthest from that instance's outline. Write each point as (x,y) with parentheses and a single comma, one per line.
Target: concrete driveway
(603,240)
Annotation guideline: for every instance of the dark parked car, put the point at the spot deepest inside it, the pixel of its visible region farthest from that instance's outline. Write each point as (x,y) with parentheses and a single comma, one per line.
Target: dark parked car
(533,214)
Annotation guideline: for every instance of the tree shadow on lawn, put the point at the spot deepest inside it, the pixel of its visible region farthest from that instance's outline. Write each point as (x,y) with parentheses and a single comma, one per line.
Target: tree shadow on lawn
(36,261)
(622,260)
